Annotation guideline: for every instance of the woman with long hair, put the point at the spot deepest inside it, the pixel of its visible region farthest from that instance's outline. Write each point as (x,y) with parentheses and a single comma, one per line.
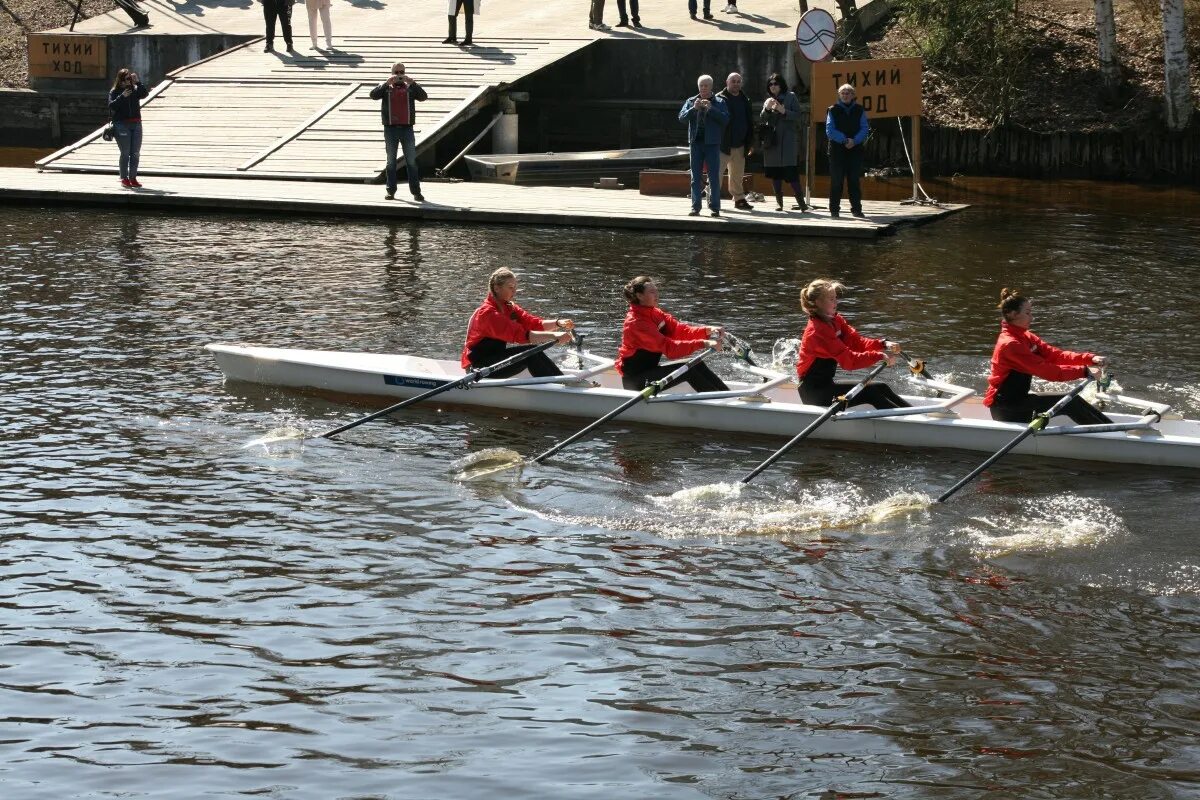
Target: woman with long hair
(124,103)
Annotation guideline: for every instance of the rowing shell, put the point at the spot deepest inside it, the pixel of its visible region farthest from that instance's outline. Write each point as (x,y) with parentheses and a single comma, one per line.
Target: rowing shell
(768,408)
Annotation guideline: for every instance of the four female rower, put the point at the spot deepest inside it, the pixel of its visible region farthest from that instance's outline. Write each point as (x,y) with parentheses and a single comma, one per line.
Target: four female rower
(499,323)
(650,333)
(1020,354)
(830,342)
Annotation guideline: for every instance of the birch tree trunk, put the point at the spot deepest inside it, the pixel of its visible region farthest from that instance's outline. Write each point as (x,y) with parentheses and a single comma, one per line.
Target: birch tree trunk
(1106,36)
(1175,61)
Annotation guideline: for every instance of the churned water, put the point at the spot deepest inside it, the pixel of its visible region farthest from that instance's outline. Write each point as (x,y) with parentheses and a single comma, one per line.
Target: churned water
(185,616)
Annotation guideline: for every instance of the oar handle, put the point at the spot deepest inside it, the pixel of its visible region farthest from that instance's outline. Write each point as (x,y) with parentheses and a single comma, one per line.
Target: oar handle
(471,377)
(652,388)
(818,422)
(1036,424)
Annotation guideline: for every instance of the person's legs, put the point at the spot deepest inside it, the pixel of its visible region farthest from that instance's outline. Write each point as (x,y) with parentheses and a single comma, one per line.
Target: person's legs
(409,143)
(327,26)
(837,173)
(634,14)
(737,173)
(699,377)
(452,31)
(799,195)
(696,165)
(854,164)
(135,149)
(692,8)
(624,21)
(539,366)
(469,12)
(708,9)
(312,10)
(777,185)
(712,157)
(121,131)
(703,379)
(269,15)
(391,141)
(1080,411)
(879,395)
(285,20)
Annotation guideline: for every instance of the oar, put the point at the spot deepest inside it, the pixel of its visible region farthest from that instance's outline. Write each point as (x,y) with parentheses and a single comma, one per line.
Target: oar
(1035,425)
(818,422)
(651,389)
(917,367)
(471,377)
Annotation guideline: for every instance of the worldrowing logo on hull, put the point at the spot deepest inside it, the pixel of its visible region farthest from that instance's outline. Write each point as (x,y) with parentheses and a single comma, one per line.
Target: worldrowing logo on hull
(815,34)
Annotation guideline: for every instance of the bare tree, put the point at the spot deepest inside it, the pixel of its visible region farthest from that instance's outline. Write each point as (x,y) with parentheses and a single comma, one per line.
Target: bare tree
(1106,36)
(1175,60)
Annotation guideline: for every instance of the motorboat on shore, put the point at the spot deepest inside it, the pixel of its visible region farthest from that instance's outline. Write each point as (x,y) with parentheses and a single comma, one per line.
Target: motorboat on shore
(955,419)
(581,167)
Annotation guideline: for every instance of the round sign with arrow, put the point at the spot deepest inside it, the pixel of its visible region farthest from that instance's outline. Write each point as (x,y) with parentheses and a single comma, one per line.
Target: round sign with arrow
(815,34)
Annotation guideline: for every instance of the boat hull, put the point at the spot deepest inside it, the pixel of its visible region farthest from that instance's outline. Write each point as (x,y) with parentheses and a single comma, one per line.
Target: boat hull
(1172,443)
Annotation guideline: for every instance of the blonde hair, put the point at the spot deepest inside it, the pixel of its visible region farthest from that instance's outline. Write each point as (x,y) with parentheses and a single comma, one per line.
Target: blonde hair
(500,277)
(1011,301)
(817,291)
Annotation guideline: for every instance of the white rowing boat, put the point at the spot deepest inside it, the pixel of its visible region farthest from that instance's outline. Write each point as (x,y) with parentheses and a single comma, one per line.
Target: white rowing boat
(1150,435)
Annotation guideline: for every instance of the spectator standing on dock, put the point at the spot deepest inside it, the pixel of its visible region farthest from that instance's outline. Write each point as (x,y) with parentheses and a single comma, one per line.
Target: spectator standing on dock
(399,95)
(315,7)
(779,117)
(706,116)
(124,103)
(596,16)
(737,139)
(707,9)
(631,15)
(500,328)
(469,8)
(281,9)
(846,129)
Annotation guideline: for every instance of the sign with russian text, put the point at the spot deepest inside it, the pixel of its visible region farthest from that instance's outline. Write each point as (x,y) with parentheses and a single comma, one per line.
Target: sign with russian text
(58,55)
(887,87)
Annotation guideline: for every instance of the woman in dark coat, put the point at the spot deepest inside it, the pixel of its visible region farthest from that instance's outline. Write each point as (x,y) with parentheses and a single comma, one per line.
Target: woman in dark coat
(780,118)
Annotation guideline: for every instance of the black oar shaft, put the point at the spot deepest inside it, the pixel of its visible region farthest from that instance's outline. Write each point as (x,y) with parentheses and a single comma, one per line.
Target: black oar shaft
(651,390)
(470,377)
(1035,425)
(818,422)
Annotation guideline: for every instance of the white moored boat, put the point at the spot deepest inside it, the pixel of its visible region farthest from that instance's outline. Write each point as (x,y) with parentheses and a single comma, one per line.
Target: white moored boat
(771,407)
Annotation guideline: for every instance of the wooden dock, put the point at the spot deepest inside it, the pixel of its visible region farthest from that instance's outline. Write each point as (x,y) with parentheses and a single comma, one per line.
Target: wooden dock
(456,202)
(246,113)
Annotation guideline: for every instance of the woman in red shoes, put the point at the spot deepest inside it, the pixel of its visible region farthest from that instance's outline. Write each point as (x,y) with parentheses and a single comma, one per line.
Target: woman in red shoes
(1020,356)
(830,342)
(500,328)
(650,333)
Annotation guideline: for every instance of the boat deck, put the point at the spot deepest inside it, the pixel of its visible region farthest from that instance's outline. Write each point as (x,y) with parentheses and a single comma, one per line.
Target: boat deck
(455,202)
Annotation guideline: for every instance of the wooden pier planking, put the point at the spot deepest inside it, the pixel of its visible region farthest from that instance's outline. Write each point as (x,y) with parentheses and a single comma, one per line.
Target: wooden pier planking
(309,116)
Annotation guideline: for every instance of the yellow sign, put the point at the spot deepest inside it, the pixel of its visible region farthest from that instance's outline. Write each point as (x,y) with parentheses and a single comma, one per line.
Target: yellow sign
(886,87)
(58,55)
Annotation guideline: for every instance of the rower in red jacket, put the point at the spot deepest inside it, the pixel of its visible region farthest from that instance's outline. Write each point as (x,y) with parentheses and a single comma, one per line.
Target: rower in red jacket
(500,323)
(650,333)
(1020,355)
(830,342)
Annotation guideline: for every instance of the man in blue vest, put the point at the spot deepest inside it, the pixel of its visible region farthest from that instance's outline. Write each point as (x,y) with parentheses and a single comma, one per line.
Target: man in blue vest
(846,129)
(706,116)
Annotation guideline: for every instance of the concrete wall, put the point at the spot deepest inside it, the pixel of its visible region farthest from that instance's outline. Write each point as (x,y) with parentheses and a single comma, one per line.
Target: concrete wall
(58,111)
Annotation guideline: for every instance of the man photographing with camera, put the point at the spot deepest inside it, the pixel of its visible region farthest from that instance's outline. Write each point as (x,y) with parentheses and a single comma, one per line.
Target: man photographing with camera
(399,95)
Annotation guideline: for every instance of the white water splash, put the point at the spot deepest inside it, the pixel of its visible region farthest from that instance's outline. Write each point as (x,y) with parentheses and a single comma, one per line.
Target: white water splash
(1060,523)
(284,433)
(485,462)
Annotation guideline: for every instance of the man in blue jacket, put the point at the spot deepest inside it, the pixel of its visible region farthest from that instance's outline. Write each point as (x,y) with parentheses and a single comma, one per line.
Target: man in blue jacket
(846,129)
(706,116)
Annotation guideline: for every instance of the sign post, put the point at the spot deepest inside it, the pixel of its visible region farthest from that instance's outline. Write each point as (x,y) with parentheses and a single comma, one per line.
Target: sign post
(71,55)
(816,34)
(885,88)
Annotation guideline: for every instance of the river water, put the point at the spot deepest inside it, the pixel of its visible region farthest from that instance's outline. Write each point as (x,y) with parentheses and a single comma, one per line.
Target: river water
(186,617)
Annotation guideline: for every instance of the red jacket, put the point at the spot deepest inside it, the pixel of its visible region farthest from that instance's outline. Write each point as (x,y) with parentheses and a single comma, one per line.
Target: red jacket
(512,325)
(837,340)
(654,330)
(1020,350)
